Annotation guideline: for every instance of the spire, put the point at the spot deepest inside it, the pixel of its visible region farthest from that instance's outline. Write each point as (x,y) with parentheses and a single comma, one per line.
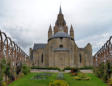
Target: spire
(60,11)
(60,19)
(50,28)
(71,29)
(72,32)
(50,31)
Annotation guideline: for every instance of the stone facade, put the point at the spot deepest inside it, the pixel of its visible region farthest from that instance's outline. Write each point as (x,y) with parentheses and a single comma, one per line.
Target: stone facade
(61,50)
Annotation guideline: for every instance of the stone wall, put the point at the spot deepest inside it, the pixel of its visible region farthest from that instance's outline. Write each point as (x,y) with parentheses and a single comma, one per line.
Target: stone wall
(72,57)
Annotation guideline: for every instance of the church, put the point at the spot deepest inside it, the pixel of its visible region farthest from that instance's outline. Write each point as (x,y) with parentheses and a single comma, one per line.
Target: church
(61,51)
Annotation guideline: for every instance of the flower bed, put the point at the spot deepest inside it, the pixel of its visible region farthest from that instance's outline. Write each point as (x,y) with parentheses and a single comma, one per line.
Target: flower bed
(42,76)
(59,83)
(81,76)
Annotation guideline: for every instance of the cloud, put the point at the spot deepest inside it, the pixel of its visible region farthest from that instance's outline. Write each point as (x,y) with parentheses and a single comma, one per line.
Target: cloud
(27,21)
(97,41)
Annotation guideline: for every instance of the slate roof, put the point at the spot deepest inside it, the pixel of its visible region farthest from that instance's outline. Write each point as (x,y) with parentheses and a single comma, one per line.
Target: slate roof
(38,46)
(60,34)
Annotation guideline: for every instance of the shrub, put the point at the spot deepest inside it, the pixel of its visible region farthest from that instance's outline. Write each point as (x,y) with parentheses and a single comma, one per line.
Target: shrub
(3,84)
(7,70)
(86,67)
(77,78)
(18,68)
(12,76)
(74,70)
(74,74)
(103,71)
(110,82)
(67,68)
(81,76)
(25,69)
(59,83)
(1,77)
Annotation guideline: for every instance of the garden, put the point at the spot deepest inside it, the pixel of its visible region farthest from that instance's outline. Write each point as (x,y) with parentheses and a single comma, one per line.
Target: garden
(58,79)
(22,77)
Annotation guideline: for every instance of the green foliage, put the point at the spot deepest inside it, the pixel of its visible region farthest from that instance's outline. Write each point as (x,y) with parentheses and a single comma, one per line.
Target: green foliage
(81,76)
(25,69)
(18,68)
(110,82)
(46,68)
(74,70)
(86,67)
(103,71)
(1,75)
(68,68)
(28,81)
(59,83)
(2,70)
(3,65)
(3,84)
(7,70)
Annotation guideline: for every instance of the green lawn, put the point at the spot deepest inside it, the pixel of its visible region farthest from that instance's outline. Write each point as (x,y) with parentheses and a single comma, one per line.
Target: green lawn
(27,81)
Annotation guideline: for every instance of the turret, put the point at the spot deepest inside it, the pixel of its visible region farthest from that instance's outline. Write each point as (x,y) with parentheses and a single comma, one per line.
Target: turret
(72,32)
(89,53)
(50,32)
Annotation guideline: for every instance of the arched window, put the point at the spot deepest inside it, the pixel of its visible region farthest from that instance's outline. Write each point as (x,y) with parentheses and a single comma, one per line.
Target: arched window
(80,56)
(42,59)
(61,46)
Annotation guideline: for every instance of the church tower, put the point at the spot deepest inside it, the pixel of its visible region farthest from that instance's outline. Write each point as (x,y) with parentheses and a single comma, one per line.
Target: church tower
(50,32)
(61,51)
(72,32)
(60,24)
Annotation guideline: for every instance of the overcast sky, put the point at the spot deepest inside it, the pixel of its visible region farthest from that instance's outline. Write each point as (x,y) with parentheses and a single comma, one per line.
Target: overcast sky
(27,21)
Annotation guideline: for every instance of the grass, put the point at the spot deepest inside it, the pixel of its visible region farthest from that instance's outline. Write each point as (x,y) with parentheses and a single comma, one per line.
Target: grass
(27,81)
(94,81)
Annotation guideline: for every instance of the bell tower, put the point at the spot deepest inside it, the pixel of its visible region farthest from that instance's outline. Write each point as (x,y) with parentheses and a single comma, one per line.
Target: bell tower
(60,24)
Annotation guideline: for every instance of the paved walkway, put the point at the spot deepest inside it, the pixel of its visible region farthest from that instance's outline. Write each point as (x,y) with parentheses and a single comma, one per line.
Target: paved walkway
(40,70)
(86,71)
(55,71)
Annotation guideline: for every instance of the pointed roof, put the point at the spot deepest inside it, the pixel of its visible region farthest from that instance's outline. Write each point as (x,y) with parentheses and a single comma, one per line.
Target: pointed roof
(60,11)
(60,19)
(71,29)
(50,28)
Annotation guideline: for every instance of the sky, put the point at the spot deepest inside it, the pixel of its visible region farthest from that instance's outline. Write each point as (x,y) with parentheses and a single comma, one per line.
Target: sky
(27,21)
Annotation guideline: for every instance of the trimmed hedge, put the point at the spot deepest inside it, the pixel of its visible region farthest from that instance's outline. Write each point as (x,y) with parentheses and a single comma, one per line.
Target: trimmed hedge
(86,67)
(46,68)
(82,68)
(55,68)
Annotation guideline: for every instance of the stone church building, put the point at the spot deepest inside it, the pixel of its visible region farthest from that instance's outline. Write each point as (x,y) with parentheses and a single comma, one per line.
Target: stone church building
(61,50)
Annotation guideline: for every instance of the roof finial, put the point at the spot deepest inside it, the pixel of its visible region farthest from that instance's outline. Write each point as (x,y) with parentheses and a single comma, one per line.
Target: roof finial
(60,11)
